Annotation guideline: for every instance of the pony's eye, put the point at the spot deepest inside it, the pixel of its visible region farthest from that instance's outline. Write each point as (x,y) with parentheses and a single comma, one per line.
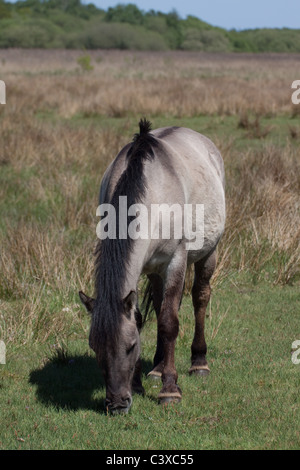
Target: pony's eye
(130,349)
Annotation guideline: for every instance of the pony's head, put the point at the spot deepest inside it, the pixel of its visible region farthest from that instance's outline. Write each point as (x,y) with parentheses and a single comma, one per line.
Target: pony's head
(117,356)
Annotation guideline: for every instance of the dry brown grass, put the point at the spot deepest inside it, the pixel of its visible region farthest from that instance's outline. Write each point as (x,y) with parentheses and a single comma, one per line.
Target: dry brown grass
(254,128)
(51,168)
(263,213)
(168,83)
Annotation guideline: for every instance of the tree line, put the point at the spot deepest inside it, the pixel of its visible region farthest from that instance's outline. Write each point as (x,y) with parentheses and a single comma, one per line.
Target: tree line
(72,24)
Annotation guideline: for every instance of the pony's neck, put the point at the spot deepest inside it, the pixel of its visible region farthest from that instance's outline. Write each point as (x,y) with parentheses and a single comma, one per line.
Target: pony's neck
(134,267)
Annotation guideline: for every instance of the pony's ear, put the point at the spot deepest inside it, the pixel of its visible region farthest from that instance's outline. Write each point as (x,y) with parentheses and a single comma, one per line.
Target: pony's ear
(130,301)
(87,301)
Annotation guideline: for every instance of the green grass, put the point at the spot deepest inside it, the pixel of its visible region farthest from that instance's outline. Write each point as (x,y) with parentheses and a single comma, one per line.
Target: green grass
(52,395)
(215,127)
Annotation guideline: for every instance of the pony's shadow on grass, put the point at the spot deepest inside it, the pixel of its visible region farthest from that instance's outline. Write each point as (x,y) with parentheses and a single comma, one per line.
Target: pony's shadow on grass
(73,384)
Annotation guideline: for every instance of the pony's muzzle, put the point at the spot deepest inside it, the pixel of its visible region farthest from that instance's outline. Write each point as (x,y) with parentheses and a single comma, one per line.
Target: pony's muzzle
(120,406)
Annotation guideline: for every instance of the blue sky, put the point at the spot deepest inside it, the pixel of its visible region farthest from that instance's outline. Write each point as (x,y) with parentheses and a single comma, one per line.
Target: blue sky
(239,14)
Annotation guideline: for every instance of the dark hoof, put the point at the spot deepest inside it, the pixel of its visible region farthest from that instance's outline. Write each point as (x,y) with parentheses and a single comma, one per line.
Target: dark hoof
(154,375)
(167,398)
(170,397)
(202,371)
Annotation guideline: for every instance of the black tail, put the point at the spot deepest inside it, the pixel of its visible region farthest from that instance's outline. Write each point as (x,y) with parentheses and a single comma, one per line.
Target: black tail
(142,144)
(145,127)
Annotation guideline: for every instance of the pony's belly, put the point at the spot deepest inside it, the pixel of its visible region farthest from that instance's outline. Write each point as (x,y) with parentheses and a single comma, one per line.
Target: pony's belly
(159,261)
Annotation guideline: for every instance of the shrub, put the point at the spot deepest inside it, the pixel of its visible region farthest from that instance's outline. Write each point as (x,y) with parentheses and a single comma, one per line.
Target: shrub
(29,33)
(85,63)
(266,40)
(205,40)
(119,36)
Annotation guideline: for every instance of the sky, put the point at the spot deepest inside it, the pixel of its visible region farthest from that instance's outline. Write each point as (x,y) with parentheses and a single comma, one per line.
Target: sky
(238,14)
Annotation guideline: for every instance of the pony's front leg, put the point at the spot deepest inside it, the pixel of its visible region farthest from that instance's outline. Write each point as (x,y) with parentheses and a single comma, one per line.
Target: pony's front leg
(157,296)
(137,386)
(168,327)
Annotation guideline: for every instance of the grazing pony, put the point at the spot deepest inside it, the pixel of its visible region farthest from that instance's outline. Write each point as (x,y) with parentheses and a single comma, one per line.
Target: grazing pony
(162,204)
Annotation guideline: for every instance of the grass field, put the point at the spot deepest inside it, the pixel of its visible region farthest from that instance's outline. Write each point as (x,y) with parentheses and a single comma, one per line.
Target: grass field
(62,125)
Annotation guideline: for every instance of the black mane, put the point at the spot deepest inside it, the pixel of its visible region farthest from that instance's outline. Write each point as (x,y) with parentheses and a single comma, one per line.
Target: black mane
(112,254)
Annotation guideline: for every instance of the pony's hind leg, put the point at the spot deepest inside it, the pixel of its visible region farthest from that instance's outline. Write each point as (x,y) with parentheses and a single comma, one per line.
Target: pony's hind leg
(137,386)
(201,294)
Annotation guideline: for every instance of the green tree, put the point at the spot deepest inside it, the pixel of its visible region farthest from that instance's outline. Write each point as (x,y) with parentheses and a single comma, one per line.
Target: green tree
(5,10)
(125,14)
(174,34)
